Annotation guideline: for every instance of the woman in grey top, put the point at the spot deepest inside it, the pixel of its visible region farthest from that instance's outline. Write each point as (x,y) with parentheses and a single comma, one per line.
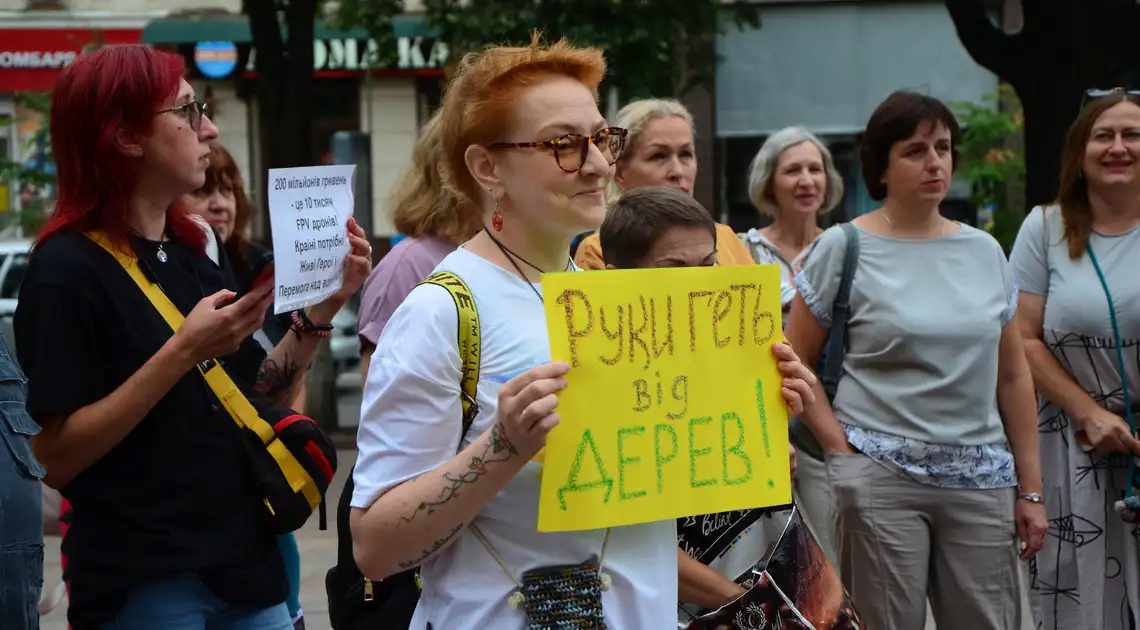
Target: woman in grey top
(793,180)
(924,483)
(1089,573)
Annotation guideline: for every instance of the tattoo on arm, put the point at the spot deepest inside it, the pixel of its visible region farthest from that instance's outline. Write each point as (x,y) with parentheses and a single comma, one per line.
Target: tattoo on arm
(435,546)
(277,380)
(499,449)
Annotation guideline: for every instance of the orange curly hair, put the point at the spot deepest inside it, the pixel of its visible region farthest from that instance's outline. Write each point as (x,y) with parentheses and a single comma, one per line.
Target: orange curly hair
(479,103)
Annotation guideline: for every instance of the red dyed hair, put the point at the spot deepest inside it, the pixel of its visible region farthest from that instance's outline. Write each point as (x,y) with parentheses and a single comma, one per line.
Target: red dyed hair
(101,92)
(479,104)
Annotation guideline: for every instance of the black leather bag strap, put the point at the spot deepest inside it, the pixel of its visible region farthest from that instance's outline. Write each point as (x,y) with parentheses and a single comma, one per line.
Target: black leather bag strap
(832,369)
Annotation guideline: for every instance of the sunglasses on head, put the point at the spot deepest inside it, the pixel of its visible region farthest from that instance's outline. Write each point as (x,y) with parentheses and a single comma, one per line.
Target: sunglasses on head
(1092,94)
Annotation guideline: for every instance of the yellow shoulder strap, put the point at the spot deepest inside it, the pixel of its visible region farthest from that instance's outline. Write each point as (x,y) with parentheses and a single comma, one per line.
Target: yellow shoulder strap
(468,340)
(223,386)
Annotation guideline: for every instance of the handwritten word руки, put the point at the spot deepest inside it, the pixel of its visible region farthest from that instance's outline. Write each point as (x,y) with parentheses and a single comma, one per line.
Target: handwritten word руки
(665,340)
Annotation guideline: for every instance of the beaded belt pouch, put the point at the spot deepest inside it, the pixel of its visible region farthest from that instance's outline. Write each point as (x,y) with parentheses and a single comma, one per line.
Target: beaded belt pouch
(563,597)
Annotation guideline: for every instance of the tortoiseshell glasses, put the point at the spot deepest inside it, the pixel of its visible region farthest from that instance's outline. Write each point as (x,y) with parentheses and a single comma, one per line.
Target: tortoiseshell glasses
(570,150)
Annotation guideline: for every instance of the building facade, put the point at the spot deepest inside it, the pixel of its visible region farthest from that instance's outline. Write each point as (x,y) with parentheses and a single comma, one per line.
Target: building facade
(826,66)
(39,37)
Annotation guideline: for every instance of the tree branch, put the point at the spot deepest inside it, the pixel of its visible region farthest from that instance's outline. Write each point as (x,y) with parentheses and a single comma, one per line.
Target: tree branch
(987,44)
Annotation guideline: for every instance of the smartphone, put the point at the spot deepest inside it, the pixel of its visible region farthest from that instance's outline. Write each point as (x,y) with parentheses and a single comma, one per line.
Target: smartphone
(262,272)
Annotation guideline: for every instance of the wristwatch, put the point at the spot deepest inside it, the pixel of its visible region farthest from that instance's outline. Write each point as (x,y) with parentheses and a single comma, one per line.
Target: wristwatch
(1032,497)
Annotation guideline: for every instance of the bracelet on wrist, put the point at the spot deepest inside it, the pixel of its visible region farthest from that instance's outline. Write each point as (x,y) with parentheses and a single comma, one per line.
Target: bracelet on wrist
(302,326)
(1032,497)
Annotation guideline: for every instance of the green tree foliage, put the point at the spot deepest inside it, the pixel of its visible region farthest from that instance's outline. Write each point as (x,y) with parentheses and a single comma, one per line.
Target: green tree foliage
(376,16)
(34,180)
(1050,51)
(653,47)
(989,160)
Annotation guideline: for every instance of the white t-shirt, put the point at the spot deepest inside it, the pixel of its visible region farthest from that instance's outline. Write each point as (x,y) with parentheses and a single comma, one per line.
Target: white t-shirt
(410,424)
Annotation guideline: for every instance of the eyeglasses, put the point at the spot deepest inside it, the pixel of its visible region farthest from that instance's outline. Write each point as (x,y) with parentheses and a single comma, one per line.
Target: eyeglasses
(571,149)
(194,111)
(1092,94)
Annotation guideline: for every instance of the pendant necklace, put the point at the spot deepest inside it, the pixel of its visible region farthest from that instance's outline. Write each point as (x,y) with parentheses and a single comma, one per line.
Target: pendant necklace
(161,253)
(511,256)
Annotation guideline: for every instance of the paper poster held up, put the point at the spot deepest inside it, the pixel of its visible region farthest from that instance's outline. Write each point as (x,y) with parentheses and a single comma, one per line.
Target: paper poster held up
(309,208)
(674,405)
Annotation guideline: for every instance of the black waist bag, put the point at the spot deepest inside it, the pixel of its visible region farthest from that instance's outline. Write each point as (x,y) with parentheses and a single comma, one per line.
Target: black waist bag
(356,603)
(293,461)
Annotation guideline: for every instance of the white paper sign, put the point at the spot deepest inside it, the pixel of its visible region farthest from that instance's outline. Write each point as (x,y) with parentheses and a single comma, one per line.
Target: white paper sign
(309,209)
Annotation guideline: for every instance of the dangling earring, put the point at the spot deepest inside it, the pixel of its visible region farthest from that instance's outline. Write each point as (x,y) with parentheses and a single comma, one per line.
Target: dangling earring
(497,218)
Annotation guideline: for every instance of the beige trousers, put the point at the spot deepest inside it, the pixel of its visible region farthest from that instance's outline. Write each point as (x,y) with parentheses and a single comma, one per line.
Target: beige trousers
(812,493)
(900,542)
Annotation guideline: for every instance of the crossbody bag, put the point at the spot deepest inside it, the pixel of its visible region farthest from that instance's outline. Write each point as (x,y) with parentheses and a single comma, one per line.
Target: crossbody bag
(293,460)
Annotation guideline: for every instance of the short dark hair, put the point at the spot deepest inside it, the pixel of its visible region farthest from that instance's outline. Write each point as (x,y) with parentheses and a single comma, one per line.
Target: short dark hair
(638,218)
(895,120)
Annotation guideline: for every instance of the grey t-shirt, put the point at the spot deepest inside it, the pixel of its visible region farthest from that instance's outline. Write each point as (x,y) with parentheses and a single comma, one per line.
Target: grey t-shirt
(926,321)
(1076,301)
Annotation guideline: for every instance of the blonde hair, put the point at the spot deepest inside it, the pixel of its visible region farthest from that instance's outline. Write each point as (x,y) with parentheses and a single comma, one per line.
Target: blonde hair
(420,204)
(480,101)
(635,118)
(763,170)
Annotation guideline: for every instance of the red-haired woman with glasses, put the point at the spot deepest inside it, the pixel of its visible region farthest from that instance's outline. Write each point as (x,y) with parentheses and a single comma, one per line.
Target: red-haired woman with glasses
(169,530)
(524,142)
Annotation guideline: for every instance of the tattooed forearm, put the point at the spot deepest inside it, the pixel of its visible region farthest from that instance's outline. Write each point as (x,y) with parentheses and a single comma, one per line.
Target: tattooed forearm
(435,546)
(278,379)
(498,449)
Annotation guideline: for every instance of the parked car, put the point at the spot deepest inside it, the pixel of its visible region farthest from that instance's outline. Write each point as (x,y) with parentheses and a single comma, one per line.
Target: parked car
(13,268)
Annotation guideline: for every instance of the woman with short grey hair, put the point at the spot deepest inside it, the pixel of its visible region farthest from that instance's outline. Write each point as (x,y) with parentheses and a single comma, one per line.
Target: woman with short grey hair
(793,180)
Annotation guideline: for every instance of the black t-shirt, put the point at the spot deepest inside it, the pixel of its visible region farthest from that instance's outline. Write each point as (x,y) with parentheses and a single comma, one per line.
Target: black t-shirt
(176,495)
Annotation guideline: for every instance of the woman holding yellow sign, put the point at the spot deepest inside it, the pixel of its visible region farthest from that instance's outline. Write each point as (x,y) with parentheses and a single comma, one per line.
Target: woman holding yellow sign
(523,140)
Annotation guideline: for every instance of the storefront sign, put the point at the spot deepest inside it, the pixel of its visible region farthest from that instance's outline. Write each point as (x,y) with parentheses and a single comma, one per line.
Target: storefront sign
(30,59)
(36,59)
(413,53)
(358,55)
(215,59)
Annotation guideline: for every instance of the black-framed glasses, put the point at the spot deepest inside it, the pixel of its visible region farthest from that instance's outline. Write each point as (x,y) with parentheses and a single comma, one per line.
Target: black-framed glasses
(193,111)
(570,150)
(1092,94)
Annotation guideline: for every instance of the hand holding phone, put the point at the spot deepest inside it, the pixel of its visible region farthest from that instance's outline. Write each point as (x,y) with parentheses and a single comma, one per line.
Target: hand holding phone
(263,269)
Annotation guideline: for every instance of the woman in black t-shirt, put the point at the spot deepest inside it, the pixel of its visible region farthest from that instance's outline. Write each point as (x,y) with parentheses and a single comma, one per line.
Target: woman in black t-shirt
(221,201)
(169,527)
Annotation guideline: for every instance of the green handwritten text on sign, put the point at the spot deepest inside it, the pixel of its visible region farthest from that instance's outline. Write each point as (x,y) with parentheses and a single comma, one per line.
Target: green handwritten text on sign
(674,406)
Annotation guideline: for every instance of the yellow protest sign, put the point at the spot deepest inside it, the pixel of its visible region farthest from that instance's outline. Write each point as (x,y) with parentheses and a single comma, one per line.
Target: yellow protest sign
(673,406)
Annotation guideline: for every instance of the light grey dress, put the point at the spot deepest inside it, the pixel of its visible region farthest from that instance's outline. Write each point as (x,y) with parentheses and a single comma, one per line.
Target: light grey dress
(1087,574)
